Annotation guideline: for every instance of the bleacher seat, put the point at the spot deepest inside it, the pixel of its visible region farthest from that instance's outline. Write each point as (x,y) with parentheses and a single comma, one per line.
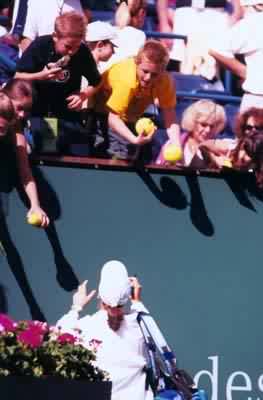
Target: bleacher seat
(107,16)
(192,83)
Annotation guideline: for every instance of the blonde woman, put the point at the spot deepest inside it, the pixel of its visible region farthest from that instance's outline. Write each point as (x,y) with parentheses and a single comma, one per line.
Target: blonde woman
(201,121)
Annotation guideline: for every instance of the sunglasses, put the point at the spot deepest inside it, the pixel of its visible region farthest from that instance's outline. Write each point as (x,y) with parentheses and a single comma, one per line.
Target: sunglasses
(256,128)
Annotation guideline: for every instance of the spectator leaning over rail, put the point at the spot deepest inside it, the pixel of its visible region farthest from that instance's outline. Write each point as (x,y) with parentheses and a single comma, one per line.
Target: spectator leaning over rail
(15,103)
(127,89)
(58,93)
(203,120)
(245,38)
(246,151)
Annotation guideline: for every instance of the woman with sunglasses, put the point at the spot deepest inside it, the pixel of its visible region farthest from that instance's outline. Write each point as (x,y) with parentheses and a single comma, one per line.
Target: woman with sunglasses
(244,153)
(20,94)
(248,153)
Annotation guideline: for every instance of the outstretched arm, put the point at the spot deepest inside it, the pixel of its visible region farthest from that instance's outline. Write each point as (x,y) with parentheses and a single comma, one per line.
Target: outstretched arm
(118,126)
(27,179)
(173,129)
(231,63)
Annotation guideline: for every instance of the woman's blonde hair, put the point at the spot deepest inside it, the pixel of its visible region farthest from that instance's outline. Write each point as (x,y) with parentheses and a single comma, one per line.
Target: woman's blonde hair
(6,108)
(127,13)
(155,52)
(70,24)
(205,111)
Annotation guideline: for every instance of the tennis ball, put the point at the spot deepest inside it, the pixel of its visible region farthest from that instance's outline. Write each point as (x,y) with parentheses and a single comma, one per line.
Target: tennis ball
(227,163)
(144,126)
(172,153)
(34,219)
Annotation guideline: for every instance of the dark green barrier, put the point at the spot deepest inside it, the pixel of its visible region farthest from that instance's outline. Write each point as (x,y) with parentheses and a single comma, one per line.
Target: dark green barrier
(194,242)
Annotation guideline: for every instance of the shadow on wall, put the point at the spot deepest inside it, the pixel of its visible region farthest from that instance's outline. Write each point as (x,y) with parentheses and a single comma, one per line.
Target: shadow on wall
(243,186)
(3,300)
(168,193)
(16,265)
(171,195)
(65,275)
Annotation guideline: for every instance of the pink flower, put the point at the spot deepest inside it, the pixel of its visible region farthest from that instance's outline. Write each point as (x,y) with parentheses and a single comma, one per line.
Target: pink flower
(66,338)
(6,323)
(31,337)
(38,327)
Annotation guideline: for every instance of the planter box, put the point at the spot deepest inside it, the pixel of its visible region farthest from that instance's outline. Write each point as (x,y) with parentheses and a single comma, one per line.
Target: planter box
(52,388)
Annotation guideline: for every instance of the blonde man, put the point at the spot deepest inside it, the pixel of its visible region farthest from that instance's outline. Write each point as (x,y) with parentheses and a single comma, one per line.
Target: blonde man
(128,88)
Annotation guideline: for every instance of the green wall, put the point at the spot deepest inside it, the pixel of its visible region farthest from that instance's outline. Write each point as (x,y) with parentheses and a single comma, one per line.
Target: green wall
(194,242)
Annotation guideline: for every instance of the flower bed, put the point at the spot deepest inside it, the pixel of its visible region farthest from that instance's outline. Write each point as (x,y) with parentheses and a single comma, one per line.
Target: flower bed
(40,362)
(32,348)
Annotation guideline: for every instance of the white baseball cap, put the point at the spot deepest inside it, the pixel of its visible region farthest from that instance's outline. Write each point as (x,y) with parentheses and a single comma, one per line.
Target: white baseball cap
(114,287)
(250,2)
(100,30)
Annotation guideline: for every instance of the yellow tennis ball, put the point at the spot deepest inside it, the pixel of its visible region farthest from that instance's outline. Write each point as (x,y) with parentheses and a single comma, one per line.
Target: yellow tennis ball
(227,163)
(172,153)
(144,126)
(34,219)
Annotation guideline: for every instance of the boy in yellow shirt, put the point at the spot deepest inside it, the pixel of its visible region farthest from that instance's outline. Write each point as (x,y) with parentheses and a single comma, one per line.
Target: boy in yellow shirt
(127,89)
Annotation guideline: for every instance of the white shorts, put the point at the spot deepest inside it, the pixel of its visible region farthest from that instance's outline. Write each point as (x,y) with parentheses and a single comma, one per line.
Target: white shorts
(207,22)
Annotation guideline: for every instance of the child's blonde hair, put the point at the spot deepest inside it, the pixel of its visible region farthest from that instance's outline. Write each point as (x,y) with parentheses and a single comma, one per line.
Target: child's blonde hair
(70,24)
(155,52)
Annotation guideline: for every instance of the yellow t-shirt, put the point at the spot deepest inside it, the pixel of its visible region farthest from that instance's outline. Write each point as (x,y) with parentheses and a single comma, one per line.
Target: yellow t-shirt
(120,92)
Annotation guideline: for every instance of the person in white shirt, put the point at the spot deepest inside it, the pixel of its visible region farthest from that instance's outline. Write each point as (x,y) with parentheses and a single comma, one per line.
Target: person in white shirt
(129,20)
(114,330)
(245,38)
(201,21)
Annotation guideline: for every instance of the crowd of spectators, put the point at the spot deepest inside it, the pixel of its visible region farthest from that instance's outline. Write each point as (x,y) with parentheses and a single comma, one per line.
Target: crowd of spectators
(93,80)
